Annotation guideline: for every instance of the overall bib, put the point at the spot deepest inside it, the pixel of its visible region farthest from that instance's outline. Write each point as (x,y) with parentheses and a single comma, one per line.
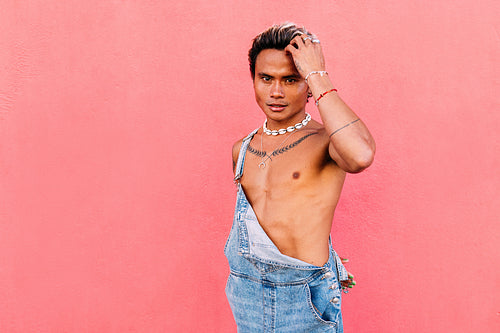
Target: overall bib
(272,292)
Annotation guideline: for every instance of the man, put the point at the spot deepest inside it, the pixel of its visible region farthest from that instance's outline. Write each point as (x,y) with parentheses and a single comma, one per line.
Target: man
(285,275)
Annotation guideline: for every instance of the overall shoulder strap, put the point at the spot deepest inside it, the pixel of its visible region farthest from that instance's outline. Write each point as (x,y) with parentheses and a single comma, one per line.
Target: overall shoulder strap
(241,155)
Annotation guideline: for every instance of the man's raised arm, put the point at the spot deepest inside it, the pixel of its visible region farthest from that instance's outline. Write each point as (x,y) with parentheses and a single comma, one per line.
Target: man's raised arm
(351,145)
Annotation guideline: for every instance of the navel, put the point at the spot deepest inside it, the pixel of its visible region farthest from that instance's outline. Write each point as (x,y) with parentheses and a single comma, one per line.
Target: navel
(296,175)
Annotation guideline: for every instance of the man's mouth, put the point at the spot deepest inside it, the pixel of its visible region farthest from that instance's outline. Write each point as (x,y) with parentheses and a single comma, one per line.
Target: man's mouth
(276,107)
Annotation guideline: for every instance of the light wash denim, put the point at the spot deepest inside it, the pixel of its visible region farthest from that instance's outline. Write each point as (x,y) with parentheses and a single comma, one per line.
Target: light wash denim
(272,292)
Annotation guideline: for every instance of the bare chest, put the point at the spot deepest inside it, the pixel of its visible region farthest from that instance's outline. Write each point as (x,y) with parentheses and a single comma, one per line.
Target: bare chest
(273,166)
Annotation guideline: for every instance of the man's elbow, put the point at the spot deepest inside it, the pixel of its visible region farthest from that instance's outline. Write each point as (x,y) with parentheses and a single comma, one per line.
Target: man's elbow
(362,160)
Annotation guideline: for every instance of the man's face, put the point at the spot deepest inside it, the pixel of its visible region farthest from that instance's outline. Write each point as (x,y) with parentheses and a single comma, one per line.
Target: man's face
(280,91)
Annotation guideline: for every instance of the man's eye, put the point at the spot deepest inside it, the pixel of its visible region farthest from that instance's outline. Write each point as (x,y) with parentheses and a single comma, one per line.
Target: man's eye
(291,80)
(266,79)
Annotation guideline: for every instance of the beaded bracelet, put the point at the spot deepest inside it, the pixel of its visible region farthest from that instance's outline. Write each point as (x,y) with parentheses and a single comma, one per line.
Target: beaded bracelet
(323,94)
(316,72)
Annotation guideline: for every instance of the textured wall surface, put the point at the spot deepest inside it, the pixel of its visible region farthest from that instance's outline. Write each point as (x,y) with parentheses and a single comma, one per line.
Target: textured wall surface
(116,125)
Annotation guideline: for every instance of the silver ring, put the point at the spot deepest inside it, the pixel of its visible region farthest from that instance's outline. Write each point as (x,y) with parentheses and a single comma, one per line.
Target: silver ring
(304,39)
(315,40)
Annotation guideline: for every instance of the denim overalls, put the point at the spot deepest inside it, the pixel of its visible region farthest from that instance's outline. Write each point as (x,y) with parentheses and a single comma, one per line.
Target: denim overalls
(272,292)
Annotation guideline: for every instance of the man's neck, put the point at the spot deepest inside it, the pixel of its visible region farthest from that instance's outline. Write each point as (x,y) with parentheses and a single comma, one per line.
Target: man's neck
(276,125)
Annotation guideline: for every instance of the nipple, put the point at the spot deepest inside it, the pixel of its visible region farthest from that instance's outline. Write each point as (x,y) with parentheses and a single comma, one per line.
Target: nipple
(296,175)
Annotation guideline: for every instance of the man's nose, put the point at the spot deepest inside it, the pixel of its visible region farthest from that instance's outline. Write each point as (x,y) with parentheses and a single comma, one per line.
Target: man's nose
(277,90)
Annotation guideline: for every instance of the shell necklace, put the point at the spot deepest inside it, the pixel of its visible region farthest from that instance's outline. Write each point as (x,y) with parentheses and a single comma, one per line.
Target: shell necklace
(288,129)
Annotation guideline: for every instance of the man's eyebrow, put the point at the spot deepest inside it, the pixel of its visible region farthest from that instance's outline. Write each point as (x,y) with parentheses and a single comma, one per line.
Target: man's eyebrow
(291,76)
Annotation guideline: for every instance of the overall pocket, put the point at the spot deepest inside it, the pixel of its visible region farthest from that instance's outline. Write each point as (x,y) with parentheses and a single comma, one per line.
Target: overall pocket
(324,302)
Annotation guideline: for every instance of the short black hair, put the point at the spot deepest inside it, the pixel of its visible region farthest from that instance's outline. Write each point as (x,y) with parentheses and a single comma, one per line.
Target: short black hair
(276,37)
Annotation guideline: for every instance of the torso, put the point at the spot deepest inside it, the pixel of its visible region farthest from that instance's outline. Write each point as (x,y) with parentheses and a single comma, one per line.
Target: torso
(294,196)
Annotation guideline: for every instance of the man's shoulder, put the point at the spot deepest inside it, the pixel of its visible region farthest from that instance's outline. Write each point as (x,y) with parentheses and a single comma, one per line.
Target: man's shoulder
(236,148)
(237,145)
(318,130)
(236,151)
(239,142)
(317,141)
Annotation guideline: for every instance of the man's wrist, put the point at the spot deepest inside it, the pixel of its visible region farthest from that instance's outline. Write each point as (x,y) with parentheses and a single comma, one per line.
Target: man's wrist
(324,94)
(321,73)
(319,84)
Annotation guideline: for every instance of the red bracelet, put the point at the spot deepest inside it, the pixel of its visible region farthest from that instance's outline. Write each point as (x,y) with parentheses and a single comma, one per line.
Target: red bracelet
(323,94)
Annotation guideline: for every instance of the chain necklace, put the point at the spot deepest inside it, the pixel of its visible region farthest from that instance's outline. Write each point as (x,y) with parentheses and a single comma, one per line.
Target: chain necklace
(262,164)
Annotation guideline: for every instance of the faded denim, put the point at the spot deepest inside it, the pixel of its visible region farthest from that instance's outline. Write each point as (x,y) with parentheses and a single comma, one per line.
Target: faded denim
(272,292)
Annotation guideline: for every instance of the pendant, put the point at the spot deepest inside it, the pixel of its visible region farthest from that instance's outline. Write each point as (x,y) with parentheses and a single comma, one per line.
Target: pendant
(262,165)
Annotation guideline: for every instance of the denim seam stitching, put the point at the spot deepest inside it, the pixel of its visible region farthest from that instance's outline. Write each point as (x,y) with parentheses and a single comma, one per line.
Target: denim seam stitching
(270,262)
(281,284)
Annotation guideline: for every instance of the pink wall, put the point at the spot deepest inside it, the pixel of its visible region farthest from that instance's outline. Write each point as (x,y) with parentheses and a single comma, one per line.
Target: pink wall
(116,125)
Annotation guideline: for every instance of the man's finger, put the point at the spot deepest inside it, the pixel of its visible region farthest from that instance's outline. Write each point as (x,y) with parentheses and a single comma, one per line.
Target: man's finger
(291,49)
(297,41)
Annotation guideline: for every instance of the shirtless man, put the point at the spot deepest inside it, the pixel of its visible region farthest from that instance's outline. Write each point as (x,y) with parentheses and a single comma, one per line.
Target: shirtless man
(285,276)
